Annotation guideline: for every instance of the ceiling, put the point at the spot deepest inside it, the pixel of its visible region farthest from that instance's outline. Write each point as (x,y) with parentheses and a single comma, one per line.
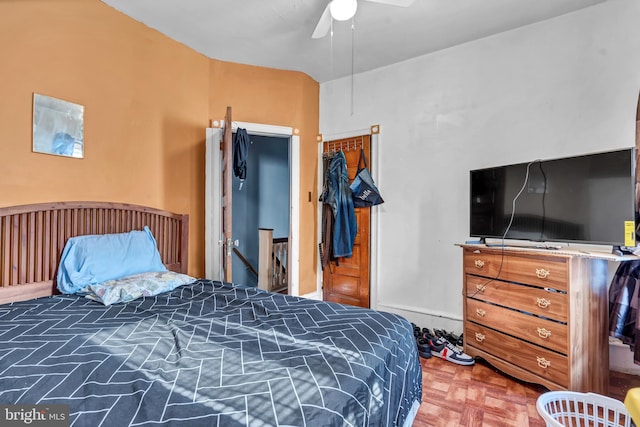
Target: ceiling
(277,33)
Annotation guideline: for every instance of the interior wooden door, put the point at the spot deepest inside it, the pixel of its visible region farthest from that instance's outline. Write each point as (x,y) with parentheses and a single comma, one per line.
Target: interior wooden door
(227,179)
(346,280)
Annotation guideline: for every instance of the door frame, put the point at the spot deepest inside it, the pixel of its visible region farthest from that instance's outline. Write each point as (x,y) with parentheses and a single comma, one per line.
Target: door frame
(374,224)
(213,194)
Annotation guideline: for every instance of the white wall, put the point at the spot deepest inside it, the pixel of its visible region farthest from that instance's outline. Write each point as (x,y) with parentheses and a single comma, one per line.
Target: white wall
(558,88)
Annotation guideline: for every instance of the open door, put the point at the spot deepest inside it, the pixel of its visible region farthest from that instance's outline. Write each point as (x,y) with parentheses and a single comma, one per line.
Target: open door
(219,242)
(227,179)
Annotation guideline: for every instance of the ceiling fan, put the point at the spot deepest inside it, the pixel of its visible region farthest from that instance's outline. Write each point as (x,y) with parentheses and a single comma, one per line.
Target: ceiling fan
(341,10)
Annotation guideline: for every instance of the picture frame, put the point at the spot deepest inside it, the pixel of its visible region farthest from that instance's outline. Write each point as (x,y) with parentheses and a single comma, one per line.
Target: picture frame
(58,127)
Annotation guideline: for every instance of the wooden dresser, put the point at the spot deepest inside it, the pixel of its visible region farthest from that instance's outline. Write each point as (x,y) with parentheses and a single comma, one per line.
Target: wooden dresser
(538,315)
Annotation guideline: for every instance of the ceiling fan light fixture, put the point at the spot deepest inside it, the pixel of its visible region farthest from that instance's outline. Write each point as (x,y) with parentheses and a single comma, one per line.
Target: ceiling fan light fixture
(342,10)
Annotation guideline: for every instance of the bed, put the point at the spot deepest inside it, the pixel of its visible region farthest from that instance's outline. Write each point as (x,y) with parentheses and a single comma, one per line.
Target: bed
(203,353)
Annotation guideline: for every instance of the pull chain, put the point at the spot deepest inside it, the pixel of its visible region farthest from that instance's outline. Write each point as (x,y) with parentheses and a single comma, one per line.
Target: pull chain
(353,38)
(331,47)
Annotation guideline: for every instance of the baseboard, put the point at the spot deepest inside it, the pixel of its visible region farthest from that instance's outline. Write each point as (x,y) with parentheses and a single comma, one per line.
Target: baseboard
(313,295)
(425,318)
(621,358)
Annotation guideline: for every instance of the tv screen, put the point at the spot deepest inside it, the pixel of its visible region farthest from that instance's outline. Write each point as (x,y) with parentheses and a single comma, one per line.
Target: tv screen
(587,199)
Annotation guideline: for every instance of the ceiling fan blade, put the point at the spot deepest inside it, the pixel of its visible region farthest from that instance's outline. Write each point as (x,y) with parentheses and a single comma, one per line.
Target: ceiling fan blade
(322,28)
(401,3)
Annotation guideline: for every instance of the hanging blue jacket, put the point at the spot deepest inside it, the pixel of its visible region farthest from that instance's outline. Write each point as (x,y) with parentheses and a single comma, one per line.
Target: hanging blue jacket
(338,196)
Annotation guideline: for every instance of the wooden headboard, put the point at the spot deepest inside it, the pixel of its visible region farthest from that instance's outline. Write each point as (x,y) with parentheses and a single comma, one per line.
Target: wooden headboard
(32,238)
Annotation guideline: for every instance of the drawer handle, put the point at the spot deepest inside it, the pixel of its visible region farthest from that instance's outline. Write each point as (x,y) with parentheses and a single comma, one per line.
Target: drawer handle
(479,263)
(479,337)
(544,333)
(542,273)
(543,302)
(543,363)
(480,312)
(481,288)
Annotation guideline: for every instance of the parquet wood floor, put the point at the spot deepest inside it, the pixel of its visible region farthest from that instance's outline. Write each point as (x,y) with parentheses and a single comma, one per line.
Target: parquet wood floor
(481,396)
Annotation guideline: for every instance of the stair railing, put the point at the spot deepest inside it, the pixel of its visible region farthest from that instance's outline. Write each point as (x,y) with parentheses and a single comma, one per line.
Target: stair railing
(272,261)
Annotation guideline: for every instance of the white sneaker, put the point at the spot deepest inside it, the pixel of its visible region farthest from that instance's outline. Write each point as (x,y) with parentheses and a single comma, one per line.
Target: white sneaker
(443,349)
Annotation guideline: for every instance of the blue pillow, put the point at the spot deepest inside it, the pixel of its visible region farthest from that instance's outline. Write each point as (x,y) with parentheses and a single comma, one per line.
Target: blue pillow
(91,259)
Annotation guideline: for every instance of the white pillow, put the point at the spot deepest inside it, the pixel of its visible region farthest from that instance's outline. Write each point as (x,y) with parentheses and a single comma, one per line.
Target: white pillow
(133,287)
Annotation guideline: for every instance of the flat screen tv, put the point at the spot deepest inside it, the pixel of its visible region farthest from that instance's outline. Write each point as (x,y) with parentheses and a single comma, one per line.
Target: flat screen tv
(582,199)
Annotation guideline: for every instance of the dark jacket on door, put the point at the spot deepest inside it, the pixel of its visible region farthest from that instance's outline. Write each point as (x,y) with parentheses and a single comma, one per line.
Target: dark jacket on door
(338,195)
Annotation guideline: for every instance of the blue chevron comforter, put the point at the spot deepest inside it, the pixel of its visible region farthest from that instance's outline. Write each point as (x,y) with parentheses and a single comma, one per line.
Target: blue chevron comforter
(210,354)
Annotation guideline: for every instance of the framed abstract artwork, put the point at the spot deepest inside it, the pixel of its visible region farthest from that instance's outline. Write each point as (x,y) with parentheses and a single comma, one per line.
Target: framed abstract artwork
(58,127)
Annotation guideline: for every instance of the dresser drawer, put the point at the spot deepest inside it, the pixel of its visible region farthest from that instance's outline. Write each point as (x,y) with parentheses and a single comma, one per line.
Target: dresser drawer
(537,271)
(539,301)
(539,361)
(539,331)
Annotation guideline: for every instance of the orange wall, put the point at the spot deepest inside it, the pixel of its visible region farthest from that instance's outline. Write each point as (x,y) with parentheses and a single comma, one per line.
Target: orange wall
(147,99)
(282,98)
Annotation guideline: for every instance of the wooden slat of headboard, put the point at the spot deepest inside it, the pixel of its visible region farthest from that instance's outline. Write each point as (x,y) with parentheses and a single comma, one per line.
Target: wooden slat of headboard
(14,249)
(32,238)
(31,247)
(38,262)
(5,239)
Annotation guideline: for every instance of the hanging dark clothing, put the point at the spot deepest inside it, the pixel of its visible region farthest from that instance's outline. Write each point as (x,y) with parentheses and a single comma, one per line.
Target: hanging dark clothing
(326,242)
(624,323)
(326,245)
(240,152)
(338,195)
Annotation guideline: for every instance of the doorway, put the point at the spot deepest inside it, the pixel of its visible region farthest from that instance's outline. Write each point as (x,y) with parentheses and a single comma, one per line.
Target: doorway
(375,140)
(346,280)
(262,200)
(214,253)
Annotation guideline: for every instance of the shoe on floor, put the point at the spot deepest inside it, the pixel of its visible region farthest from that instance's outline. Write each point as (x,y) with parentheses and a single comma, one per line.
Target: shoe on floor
(417,332)
(445,350)
(424,348)
(460,342)
(451,337)
(428,334)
